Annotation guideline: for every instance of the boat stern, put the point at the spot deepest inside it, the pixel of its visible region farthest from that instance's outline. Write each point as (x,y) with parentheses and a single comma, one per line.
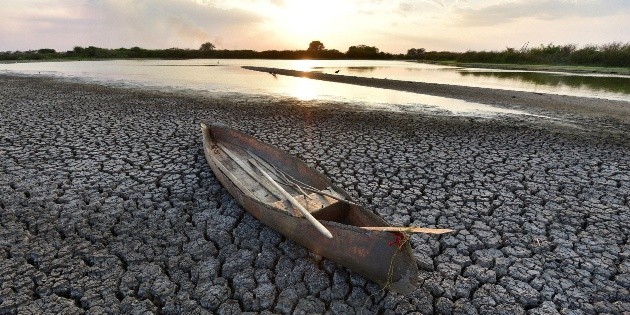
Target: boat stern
(407,283)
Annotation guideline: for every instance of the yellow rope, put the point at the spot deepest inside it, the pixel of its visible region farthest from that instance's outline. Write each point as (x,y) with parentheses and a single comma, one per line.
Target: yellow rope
(390,271)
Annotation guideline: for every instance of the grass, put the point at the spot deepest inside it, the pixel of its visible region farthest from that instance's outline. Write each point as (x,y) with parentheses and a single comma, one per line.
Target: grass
(534,67)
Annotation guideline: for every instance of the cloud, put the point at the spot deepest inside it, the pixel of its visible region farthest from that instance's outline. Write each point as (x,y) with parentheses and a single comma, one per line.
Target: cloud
(393,26)
(506,12)
(186,28)
(446,3)
(405,8)
(119,23)
(173,22)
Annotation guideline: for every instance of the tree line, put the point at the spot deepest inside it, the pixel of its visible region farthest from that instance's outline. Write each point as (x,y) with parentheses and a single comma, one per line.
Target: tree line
(316,50)
(605,55)
(608,55)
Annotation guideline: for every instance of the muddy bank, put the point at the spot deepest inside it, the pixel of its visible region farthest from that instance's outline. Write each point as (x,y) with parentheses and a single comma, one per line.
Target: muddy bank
(527,67)
(550,103)
(108,206)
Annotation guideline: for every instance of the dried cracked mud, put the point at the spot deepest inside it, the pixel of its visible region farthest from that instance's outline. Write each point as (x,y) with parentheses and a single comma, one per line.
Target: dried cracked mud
(108,206)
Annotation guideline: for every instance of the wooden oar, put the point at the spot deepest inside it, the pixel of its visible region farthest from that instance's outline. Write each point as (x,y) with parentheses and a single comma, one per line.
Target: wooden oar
(275,171)
(249,171)
(230,176)
(407,229)
(293,181)
(320,227)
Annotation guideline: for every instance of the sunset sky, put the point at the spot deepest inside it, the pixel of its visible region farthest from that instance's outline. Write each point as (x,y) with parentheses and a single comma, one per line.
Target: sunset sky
(391,25)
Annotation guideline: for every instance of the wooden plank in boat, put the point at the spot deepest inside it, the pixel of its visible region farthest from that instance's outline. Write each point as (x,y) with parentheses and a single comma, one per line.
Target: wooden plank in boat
(313,203)
(243,166)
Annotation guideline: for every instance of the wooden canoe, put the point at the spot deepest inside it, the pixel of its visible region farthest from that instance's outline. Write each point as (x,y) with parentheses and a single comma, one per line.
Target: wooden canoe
(237,160)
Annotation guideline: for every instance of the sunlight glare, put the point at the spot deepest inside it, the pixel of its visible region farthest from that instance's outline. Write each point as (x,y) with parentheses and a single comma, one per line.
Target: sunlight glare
(303,65)
(304,89)
(304,21)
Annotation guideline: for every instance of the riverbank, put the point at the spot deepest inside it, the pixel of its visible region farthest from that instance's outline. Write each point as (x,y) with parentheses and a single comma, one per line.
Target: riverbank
(528,67)
(577,108)
(107,205)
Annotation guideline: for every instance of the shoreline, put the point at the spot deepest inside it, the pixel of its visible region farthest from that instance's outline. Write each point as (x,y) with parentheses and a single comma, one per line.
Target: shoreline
(504,66)
(108,205)
(557,104)
(532,67)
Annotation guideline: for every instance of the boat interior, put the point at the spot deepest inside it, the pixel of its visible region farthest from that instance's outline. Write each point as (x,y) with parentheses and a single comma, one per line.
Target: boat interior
(249,172)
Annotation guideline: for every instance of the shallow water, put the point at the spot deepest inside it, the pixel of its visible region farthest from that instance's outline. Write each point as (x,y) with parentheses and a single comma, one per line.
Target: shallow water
(605,86)
(227,76)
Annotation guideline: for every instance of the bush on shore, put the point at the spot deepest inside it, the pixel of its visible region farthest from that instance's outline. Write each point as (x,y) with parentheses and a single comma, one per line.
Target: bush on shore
(606,55)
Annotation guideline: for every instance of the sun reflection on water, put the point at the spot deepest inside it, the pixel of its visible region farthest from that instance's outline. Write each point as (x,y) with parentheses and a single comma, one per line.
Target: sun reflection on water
(303,64)
(304,89)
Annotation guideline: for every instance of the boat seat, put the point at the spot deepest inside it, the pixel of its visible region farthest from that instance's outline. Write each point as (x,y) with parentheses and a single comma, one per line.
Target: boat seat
(321,207)
(333,212)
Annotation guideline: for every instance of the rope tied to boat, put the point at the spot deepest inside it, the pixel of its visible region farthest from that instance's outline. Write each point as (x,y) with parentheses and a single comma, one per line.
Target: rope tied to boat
(400,239)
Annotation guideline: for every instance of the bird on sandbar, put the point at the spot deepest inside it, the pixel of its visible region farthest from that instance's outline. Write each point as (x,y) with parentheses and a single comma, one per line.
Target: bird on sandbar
(337,71)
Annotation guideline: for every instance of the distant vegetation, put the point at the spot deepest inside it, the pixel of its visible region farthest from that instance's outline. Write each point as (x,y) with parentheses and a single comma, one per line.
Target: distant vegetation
(316,50)
(607,55)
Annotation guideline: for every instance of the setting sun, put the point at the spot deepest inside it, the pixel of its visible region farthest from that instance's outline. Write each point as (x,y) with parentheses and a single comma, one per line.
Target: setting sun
(301,20)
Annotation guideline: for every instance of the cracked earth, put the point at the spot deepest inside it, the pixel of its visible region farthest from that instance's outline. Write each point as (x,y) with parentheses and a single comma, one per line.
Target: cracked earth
(107,205)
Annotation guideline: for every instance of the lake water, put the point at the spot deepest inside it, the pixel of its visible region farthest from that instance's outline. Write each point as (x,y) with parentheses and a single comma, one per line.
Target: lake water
(227,76)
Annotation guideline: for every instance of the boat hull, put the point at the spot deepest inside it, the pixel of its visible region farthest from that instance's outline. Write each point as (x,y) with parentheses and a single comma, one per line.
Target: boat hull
(379,256)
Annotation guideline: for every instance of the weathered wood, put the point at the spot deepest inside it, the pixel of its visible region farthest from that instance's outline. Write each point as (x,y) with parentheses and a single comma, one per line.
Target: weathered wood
(284,180)
(251,172)
(307,215)
(312,202)
(260,192)
(229,174)
(366,252)
(297,183)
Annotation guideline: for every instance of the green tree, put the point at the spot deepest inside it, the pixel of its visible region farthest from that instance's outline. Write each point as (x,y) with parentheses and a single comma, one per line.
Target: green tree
(417,53)
(207,46)
(362,51)
(316,46)
(46,51)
